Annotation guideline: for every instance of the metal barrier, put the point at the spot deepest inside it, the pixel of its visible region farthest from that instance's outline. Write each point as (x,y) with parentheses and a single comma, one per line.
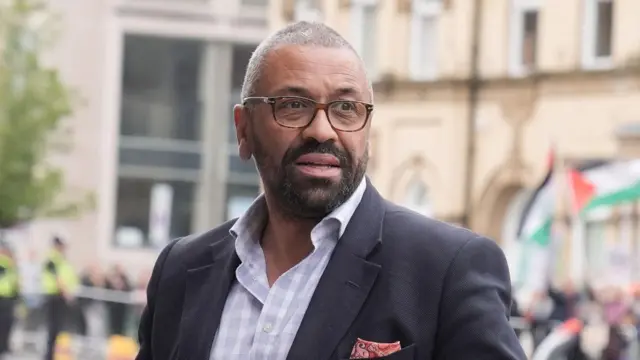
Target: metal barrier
(82,347)
(559,342)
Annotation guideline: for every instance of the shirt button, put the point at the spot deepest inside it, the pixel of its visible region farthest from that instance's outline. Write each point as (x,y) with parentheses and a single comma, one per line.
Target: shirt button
(267,328)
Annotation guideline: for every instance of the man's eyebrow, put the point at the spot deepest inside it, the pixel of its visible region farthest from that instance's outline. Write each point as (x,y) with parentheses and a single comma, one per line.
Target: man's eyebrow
(346,91)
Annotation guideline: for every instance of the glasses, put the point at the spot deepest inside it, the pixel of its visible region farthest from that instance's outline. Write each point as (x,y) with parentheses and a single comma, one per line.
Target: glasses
(297,112)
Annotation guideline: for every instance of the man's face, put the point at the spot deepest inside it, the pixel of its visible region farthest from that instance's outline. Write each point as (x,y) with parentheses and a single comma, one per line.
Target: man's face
(312,170)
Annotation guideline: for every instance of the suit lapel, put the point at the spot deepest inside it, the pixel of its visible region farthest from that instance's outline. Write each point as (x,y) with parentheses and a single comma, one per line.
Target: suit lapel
(206,292)
(345,284)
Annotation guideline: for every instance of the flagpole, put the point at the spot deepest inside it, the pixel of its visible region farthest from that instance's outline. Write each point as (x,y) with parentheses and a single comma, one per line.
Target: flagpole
(567,234)
(560,226)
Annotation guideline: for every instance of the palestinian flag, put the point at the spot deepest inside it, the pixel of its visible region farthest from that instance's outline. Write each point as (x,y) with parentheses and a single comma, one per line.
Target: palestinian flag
(537,215)
(605,184)
(534,232)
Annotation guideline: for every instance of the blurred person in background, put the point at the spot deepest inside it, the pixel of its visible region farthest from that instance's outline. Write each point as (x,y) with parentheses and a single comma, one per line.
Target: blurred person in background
(140,296)
(539,315)
(30,273)
(635,306)
(59,283)
(92,312)
(565,302)
(616,309)
(118,280)
(8,294)
(95,322)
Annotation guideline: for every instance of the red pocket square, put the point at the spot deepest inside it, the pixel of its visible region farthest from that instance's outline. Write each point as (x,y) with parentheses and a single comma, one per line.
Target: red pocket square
(364,349)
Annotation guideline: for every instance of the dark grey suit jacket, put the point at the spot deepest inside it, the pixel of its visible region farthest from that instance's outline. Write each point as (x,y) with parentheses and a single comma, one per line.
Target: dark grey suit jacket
(442,291)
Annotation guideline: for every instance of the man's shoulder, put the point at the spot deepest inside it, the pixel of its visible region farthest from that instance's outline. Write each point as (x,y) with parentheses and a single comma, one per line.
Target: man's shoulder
(399,219)
(189,251)
(409,232)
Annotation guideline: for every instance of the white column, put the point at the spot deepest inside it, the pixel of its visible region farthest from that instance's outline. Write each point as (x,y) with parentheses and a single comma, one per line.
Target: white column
(216,116)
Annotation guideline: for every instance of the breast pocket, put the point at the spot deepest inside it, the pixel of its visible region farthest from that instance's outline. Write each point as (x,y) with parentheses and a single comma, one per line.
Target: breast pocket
(406,353)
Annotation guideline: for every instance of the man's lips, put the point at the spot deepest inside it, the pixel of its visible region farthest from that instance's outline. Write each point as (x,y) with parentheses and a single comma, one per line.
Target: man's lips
(318,160)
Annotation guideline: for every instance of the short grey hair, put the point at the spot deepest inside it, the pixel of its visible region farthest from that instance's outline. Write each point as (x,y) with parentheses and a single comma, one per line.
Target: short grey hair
(302,33)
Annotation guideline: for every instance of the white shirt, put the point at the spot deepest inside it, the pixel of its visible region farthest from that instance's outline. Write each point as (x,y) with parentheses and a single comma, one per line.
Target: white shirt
(258,322)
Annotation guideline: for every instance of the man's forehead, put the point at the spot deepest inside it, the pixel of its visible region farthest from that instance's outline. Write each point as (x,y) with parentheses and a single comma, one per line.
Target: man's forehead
(292,61)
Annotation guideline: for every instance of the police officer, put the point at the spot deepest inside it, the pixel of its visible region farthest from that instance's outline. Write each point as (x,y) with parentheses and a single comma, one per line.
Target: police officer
(59,282)
(8,295)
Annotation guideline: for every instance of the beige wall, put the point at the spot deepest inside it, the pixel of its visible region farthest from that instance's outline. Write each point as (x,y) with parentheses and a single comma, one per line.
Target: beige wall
(559,42)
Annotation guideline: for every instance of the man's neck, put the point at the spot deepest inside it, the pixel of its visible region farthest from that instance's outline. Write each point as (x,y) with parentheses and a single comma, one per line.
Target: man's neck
(285,241)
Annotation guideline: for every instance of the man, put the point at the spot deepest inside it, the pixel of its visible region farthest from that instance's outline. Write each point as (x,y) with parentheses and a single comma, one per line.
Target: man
(8,295)
(119,281)
(59,282)
(321,266)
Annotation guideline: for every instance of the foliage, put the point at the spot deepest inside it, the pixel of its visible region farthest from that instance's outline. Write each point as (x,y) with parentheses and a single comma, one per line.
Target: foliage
(34,102)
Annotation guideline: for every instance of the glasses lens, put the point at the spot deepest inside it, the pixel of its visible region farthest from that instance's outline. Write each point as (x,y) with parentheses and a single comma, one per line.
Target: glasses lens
(298,112)
(293,112)
(347,115)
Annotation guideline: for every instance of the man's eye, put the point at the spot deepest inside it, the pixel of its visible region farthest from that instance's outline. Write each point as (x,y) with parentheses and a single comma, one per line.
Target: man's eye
(293,104)
(347,106)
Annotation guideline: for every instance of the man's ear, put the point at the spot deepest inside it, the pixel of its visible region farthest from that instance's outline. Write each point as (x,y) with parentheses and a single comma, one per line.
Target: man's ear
(241,121)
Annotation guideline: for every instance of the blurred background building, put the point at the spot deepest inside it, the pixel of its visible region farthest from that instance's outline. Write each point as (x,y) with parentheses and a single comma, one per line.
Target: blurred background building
(152,138)
(470,97)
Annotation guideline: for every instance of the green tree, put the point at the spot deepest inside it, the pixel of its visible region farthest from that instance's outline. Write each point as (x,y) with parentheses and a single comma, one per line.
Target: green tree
(34,103)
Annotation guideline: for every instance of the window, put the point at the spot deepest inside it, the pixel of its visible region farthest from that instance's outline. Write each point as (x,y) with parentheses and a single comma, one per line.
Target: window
(524,38)
(364,18)
(160,87)
(239,198)
(424,39)
(416,197)
(172,202)
(307,10)
(598,33)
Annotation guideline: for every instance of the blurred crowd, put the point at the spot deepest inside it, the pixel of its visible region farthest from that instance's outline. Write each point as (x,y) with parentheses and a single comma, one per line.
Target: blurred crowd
(607,311)
(95,317)
(47,295)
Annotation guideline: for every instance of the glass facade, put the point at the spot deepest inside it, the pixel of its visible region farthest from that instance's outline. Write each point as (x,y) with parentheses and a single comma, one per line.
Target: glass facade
(160,88)
(165,178)
(134,208)
(160,134)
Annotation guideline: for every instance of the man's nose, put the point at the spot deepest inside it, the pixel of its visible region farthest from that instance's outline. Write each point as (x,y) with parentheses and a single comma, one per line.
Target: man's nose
(320,128)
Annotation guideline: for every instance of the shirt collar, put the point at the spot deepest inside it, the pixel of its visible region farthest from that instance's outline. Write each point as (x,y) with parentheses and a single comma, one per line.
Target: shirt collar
(248,228)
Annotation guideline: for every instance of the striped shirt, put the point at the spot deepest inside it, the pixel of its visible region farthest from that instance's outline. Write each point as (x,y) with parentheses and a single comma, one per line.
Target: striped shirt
(259,322)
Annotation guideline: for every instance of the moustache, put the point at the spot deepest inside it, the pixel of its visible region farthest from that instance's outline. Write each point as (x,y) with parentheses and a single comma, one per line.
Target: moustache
(315,147)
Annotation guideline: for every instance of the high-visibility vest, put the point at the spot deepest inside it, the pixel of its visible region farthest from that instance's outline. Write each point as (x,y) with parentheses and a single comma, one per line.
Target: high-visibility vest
(8,278)
(64,272)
